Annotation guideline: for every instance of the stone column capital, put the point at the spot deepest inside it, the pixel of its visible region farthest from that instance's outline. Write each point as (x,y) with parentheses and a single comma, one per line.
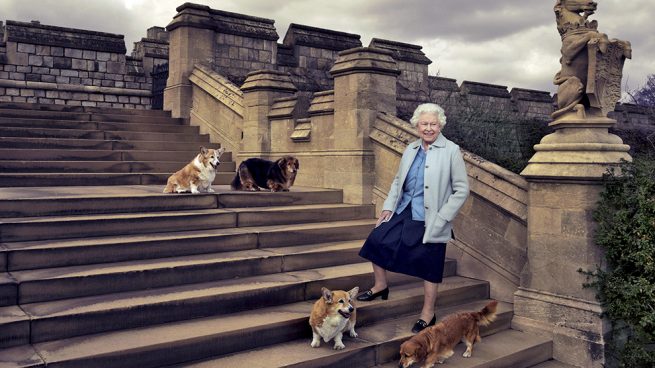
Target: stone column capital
(364,60)
(268,80)
(191,15)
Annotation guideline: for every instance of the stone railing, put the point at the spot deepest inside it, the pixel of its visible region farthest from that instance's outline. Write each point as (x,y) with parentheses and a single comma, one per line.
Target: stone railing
(218,107)
(490,230)
(56,65)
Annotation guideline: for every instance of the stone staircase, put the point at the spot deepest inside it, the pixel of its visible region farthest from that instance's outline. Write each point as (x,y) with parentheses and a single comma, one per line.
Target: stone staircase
(47,145)
(125,276)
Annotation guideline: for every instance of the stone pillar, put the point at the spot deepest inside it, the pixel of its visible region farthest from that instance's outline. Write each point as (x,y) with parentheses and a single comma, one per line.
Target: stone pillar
(564,185)
(191,41)
(364,85)
(259,90)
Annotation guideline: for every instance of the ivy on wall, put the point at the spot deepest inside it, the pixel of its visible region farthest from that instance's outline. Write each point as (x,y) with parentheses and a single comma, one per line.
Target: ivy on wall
(626,289)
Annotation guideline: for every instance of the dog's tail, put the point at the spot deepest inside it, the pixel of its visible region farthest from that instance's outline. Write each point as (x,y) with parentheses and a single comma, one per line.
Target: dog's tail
(236,182)
(488,313)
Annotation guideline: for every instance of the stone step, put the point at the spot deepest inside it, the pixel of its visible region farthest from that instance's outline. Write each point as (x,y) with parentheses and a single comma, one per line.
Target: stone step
(88,116)
(10,166)
(59,319)
(94,179)
(8,290)
(377,343)
(552,364)
(175,342)
(509,348)
(14,327)
(81,109)
(24,132)
(71,252)
(102,155)
(100,144)
(72,282)
(23,356)
(81,226)
(94,125)
(53,201)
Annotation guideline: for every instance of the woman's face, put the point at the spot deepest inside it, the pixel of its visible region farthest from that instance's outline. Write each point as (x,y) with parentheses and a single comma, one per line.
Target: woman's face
(428,128)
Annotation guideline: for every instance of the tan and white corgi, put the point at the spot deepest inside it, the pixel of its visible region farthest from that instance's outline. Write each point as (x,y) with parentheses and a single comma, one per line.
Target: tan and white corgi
(197,176)
(332,315)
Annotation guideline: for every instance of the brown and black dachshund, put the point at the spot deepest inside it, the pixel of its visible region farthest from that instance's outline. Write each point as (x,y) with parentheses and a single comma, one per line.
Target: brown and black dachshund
(256,173)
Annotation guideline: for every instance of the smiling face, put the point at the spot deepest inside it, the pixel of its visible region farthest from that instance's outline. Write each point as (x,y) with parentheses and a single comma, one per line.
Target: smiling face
(428,128)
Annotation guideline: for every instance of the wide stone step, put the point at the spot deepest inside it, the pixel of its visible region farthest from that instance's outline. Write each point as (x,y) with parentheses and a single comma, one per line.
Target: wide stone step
(52,201)
(81,109)
(95,125)
(14,328)
(101,155)
(72,282)
(509,348)
(552,364)
(377,343)
(8,166)
(100,144)
(193,339)
(60,253)
(8,290)
(94,179)
(66,227)
(82,316)
(26,132)
(89,116)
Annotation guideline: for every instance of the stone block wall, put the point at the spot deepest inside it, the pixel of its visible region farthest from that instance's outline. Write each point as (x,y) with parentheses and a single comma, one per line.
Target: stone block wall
(310,53)
(56,65)
(151,50)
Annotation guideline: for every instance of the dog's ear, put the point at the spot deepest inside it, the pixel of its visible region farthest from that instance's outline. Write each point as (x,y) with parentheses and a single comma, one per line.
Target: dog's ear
(221,151)
(203,150)
(421,348)
(296,163)
(327,295)
(353,292)
(281,162)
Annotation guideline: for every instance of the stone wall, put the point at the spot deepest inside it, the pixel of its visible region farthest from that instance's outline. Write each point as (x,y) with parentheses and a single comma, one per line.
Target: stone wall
(56,65)
(152,50)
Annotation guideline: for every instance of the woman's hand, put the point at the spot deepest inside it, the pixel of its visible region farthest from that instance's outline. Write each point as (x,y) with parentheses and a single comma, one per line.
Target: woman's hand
(384,216)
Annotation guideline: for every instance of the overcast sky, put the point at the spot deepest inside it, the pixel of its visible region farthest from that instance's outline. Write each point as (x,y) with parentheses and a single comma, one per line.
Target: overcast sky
(509,42)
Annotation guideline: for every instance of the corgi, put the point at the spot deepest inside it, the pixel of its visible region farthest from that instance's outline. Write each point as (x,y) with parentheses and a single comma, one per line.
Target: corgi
(332,315)
(435,344)
(197,176)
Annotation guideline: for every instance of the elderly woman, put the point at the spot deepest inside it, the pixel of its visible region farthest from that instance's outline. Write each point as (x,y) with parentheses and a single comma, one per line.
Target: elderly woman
(411,233)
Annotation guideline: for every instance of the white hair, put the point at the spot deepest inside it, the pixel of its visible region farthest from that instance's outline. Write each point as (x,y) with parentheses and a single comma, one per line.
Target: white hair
(429,108)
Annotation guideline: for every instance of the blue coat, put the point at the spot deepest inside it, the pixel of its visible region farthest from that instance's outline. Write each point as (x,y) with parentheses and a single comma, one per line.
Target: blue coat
(446,186)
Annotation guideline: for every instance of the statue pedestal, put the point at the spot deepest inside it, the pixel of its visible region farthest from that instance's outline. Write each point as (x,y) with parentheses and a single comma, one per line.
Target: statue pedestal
(564,179)
(579,149)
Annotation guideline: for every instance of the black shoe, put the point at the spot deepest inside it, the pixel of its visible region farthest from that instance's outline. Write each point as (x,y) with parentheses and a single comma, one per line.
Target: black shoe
(368,295)
(420,325)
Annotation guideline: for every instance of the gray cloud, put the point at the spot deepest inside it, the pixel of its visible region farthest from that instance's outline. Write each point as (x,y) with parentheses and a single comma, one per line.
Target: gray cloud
(509,42)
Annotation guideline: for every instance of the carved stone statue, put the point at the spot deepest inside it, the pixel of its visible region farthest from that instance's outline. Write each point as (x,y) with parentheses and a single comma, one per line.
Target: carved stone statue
(590,79)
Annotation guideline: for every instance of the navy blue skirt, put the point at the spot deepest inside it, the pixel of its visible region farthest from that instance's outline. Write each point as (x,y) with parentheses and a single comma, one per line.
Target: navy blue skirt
(397,246)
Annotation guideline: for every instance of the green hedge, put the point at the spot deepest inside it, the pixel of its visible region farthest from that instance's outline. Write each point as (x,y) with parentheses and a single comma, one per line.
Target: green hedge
(626,289)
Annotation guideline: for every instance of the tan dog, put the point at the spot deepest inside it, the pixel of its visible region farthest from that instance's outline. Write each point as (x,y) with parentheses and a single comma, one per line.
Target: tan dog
(435,344)
(197,176)
(332,315)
